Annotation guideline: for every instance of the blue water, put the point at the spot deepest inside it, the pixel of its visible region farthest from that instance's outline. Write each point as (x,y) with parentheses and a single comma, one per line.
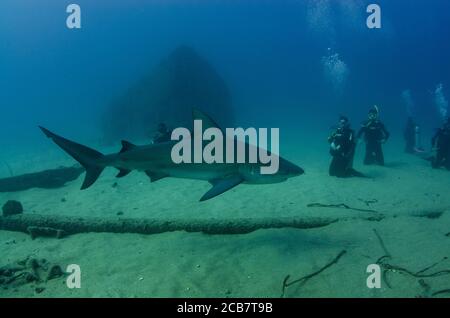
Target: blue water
(269,53)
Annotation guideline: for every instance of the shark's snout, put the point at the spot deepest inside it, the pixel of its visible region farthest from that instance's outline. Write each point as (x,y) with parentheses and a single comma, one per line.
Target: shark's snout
(296,171)
(289,169)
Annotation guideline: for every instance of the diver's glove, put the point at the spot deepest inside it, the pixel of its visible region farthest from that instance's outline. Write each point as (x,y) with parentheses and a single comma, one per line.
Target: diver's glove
(334,147)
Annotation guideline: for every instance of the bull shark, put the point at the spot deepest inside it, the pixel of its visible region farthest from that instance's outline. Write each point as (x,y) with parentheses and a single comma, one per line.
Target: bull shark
(155,160)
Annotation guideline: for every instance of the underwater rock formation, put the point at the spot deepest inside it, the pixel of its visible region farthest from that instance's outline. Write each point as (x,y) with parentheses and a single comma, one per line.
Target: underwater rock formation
(167,94)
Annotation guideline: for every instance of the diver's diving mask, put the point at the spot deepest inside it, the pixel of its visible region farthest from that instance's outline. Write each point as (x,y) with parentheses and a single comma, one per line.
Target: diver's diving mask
(373,116)
(343,122)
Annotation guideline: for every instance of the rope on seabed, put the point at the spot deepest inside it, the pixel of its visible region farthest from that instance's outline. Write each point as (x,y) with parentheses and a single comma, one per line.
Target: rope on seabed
(59,226)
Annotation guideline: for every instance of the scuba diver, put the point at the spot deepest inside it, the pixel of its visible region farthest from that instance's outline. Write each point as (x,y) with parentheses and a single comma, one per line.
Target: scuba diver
(163,134)
(412,137)
(441,142)
(342,148)
(375,134)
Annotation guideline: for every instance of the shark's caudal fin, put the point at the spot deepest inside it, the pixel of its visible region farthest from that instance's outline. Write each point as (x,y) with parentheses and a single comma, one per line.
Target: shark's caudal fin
(86,156)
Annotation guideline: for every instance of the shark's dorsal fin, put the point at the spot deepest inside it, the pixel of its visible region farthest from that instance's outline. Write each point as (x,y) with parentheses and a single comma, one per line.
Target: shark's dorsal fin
(207,122)
(222,185)
(126,145)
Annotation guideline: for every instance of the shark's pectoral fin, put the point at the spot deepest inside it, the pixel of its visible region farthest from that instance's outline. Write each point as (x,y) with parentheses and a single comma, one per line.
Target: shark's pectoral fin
(222,185)
(155,176)
(122,173)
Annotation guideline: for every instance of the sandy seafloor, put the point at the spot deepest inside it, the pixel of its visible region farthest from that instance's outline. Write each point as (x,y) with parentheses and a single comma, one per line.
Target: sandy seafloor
(183,264)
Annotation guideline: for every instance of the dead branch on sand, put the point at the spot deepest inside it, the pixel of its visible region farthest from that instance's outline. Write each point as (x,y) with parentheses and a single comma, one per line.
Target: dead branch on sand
(423,273)
(304,279)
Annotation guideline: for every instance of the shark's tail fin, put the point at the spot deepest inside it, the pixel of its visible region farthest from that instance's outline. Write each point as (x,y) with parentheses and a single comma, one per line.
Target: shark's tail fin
(87,157)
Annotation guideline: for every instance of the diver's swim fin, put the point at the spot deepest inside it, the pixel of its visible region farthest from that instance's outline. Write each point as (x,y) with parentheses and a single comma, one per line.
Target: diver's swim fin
(355,173)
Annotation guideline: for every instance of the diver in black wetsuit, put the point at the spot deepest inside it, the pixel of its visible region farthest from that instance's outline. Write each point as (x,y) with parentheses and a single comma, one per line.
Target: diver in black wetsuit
(163,134)
(375,135)
(342,148)
(441,142)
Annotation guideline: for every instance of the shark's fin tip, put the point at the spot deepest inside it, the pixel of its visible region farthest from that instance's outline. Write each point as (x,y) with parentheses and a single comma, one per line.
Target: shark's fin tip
(155,176)
(122,173)
(221,185)
(46,132)
(207,121)
(126,146)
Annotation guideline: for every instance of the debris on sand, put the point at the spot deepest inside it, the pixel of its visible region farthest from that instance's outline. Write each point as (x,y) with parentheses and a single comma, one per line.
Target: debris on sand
(12,207)
(29,271)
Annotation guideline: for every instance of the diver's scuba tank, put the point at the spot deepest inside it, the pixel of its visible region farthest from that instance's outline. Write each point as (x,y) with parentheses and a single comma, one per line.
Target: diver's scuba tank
(376,109)
(417,140)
